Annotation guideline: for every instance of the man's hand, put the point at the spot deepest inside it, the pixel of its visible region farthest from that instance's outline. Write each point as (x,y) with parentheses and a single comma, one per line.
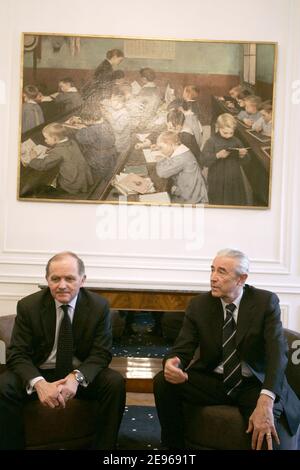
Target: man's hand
(261,424)
(173,373)
(49,393)
(68,387)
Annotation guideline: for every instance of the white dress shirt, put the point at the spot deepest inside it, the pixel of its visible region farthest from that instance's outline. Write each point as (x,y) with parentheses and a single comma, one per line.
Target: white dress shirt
(246,371)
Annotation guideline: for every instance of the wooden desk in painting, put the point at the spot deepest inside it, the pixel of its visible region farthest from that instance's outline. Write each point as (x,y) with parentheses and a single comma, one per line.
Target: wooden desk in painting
(258,170)
(132,162)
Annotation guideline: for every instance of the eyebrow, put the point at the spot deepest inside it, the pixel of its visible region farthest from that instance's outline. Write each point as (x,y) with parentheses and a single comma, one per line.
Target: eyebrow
(221,268)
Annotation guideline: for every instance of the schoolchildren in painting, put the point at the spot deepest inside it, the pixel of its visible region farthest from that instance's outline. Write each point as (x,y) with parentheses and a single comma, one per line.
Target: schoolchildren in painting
(32,114)
(74,175)
(97,142)
(240,102)
(180,165)
(119,119)
(225,156)
(264,123)
(149,95)
(235,94)
(68,98)
(189,105)
(176,122)
(48,105)
(149,87)
(118,78)
(251,113)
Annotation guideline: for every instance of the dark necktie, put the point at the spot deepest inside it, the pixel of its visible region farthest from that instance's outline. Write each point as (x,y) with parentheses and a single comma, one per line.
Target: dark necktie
(232,375)
(64,353)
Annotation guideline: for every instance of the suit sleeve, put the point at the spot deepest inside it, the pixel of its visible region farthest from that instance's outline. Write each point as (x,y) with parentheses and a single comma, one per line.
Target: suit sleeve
(99,355)
(19,353)
(169,167)
(53,158)
(275,348)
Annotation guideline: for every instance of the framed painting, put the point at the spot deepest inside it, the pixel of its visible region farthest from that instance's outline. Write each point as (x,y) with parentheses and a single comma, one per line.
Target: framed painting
(146,121)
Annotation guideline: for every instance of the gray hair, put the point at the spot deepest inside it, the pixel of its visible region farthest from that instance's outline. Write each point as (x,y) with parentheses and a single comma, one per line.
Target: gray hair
(64,254)
(242,259)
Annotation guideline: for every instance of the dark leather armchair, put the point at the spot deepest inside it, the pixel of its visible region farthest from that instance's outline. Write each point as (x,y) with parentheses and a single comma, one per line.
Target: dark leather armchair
(222,427)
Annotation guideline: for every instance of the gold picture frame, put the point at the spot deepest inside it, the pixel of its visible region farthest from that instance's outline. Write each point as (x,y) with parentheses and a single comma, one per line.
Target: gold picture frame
(107,101)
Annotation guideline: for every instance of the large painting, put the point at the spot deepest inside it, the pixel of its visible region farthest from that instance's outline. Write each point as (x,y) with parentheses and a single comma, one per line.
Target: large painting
(146,121)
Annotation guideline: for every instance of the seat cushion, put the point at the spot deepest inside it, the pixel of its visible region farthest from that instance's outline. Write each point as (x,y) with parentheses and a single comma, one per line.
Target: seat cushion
(69,428)
(208,427)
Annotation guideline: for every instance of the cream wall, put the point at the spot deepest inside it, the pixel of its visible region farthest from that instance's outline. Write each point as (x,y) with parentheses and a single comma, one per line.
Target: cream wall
(144,247)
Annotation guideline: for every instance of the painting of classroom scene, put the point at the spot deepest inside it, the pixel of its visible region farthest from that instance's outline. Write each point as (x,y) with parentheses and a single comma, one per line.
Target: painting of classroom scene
(146,121)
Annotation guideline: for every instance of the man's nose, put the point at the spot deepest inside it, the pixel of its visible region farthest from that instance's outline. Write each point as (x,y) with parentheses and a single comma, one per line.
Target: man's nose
(62,284)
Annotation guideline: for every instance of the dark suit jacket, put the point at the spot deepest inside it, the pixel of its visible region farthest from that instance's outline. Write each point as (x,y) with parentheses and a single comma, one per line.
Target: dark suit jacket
(34,332)
(104,72)
(260,342)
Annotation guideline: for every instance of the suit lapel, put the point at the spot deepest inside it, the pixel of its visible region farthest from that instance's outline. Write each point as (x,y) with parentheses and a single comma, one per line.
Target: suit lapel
(218,315)
(48,318)
(245,316)
(80,315)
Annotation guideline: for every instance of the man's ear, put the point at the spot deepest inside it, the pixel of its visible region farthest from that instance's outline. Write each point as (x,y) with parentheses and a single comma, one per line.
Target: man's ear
(83,279)
(243,278)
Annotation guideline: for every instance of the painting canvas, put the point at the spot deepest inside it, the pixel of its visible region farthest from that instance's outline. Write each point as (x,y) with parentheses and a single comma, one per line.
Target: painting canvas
(146,121)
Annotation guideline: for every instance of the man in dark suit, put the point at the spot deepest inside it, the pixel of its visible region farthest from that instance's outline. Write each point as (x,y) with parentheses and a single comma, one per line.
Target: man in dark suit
(36,343)
(256,382)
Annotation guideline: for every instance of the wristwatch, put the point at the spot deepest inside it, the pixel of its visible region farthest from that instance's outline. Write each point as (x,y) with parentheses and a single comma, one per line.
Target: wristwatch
(79,377)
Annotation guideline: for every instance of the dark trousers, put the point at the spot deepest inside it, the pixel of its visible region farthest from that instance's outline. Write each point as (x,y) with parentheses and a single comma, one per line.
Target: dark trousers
(205,389)
(108,388)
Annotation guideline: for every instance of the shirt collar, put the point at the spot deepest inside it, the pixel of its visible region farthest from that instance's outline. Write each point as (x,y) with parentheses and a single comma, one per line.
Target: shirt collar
(73,89)
(186,128)
(63,140)
(72,303)
(179,150)
(236,301)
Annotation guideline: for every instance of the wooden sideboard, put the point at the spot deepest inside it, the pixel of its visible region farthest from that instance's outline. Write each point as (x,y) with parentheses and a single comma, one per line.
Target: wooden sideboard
(146,300)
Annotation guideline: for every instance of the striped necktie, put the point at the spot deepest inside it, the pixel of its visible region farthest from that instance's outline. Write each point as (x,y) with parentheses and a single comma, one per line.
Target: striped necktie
(64,353)
(232,374)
